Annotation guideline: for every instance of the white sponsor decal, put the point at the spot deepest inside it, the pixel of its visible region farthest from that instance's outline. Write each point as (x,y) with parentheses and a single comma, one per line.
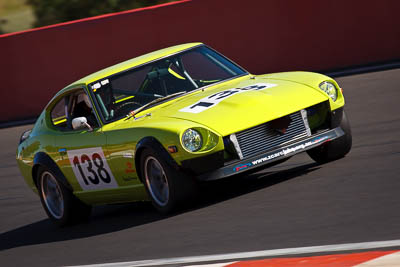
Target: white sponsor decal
(91,169)
(286,151)
(96,86)
(128,155)
(212,100)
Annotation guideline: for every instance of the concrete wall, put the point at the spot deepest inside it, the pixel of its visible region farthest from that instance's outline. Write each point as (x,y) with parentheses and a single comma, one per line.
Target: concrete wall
(261,35)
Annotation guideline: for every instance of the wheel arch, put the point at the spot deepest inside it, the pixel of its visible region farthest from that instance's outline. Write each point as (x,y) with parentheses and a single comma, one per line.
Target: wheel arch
(42,159)
(152,143)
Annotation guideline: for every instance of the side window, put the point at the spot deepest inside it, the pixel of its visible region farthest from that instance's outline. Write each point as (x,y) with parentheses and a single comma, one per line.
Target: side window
(58,115)
(81,106)
(77,104)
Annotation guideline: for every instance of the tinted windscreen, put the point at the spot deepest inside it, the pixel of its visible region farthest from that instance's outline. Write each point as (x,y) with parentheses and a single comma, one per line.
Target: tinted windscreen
(121,93)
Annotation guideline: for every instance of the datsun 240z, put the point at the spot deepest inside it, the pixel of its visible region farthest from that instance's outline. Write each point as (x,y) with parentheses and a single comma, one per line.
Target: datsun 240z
(151,127)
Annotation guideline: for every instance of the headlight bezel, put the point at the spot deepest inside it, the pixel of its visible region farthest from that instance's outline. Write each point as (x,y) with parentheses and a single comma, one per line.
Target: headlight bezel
(330,89)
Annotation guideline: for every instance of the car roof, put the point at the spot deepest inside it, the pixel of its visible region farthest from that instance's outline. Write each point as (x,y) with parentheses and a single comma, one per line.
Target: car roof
(133,63)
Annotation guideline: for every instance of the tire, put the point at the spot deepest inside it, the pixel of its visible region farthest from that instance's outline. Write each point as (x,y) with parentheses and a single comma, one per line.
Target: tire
(167,188)
(335,149)
(61,206)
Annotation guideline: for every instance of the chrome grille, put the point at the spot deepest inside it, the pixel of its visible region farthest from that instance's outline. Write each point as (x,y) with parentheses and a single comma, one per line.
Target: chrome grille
(262,138)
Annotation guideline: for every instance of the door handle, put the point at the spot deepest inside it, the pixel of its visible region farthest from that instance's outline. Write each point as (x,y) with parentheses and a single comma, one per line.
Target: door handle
(63,151)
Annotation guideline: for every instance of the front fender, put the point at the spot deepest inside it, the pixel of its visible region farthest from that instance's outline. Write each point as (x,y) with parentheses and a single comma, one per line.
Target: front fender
(310,79)
(152,143)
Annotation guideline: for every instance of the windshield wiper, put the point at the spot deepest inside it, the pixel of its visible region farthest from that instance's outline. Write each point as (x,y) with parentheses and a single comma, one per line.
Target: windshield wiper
(136,111)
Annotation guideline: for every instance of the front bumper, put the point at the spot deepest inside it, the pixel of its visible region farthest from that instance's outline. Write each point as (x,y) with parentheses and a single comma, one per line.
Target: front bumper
(272,155)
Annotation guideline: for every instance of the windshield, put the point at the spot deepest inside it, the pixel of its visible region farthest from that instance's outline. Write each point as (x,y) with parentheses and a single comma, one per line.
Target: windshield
(121,93)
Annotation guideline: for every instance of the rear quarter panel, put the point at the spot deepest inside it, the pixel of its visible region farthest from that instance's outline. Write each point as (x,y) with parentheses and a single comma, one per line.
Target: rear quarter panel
(40,140)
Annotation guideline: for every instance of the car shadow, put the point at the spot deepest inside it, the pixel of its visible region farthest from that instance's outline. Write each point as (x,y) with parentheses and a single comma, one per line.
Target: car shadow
(104,219)
(112,218)
(216,191)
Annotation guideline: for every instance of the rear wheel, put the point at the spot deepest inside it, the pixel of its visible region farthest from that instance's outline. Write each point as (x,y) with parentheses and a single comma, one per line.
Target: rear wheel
(168,188)
(335,149)
(60,204)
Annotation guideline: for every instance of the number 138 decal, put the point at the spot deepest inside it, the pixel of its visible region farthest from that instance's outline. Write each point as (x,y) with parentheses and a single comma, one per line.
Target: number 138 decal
(91,168)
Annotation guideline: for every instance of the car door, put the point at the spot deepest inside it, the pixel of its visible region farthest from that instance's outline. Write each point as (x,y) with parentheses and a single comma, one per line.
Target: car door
(82,151)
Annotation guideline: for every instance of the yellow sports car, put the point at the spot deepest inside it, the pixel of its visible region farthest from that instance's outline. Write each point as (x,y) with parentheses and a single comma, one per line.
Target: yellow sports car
(152,126)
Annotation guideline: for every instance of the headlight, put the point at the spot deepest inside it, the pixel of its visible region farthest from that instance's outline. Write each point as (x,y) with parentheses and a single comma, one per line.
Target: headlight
(330,89)
(192,140)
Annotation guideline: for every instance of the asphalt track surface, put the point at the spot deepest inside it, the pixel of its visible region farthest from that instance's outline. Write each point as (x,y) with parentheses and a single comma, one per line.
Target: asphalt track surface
(296,204)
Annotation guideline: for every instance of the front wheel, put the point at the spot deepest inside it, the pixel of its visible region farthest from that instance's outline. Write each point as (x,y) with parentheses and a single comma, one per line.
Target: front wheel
(335,149)
(168,188)
(61,206)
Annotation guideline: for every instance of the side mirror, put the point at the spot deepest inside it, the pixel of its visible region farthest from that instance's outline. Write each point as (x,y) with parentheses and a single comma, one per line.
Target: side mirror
(80,123)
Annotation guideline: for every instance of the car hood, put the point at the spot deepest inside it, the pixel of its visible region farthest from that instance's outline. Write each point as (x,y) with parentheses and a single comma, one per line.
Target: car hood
(242,103)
